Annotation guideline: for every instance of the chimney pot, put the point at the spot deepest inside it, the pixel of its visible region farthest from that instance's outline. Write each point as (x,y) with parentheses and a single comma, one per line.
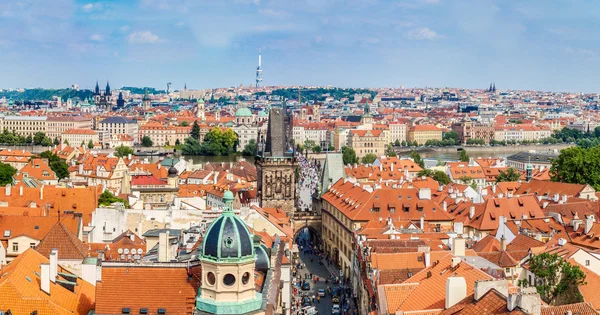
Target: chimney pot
(45,278)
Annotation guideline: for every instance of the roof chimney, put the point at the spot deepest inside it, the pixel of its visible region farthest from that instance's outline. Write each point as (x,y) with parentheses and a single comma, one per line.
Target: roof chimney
(422,223)
(42,192)
(589,223)
(527,299)
(8,186)
(45,278)
(163,247)
(503,243)
(456,290)
(89,270)
(445,205)
(21,190)
(425,193)
(427,259)
(458,246)
(53,264)
(471,212)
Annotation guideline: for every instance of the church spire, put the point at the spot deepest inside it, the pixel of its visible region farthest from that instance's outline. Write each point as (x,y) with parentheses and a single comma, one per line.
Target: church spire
(107,90)
(97,89)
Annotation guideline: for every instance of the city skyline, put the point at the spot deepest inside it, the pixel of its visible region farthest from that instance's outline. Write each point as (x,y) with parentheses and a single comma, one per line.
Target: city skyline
(417,43)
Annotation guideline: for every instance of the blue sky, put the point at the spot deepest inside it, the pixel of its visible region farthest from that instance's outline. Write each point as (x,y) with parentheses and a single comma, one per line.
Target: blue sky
(544,45)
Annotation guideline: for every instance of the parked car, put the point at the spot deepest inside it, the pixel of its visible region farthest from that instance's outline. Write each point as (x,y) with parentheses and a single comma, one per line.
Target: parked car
(335,309)
(310,310)
(321,292)
(305,286)
(335,300)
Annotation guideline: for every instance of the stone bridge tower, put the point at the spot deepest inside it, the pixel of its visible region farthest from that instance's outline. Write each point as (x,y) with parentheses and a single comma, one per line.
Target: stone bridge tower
(276,163)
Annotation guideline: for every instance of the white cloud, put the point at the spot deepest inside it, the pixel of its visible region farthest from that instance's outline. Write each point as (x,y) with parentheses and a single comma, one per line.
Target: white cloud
(273,13)
(124,28)
(91,7)
(145,37)
(97,37)
(422,33)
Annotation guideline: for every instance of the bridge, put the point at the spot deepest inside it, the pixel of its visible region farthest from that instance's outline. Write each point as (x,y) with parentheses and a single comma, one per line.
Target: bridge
(309,220)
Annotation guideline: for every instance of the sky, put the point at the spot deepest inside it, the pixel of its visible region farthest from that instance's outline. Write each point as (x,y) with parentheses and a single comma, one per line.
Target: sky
(549,45)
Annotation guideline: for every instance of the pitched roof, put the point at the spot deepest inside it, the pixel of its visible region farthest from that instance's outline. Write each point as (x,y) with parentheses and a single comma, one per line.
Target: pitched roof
(426,290)
(21,293)
(492,302)
(582,308)
(487,244)
(68,245)
(144,287)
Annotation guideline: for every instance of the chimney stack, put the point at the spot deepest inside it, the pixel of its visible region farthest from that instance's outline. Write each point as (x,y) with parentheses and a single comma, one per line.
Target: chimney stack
(163,247)
(53,264)
(42,192)
(458,247)
(445,205)
(422,223)
(589,223)
(427,255)
(456,290)
(471,212)
(8,186)
(503,243)
(527,299)
(45,278)
(89,270)
(21,190)
(483,286)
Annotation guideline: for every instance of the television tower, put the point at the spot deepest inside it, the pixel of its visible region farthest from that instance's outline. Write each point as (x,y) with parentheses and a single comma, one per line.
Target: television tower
(259,70)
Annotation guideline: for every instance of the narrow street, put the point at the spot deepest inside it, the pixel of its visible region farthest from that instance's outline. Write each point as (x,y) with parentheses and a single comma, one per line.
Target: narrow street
(307,183)
(322,271)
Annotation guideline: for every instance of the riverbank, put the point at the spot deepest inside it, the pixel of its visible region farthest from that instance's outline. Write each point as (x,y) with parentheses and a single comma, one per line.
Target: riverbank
(473,150)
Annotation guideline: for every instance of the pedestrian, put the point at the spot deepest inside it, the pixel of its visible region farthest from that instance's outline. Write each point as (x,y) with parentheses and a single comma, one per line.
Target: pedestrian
(319,299)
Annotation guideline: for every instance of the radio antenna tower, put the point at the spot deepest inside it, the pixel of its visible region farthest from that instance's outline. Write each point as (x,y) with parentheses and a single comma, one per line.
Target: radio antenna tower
(259,70)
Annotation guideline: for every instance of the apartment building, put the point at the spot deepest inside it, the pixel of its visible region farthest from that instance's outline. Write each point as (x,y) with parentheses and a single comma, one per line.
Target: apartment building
(422,133)
(55,126)
(474,130)
(368,141)
(76,137)
(119,126)
(397,131)
(319,133)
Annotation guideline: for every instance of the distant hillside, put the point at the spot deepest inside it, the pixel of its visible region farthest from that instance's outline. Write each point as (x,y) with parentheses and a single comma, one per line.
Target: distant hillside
(45,94)
(318,94)
(142,90)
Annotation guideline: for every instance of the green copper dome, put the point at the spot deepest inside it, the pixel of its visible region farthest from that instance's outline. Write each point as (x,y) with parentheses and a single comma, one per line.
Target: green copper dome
(263,113)
(243,112)
(228,237)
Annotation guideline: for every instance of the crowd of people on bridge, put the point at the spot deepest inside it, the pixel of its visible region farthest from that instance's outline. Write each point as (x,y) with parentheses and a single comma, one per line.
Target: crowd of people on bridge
(309,177)
(305,293)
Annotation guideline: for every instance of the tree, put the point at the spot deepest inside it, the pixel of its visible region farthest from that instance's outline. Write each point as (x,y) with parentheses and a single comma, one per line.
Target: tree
(191,146)
(556,280)
(146,142)
(403,143)
(417,158)
(177,142)
(38,138)
(308,145)
(508,175)
(122,151)
(107,198)
(317,149)
(195,133)
(330,148)
(46,142)
(577,165)
(29,139)
(463,156)
(56,141)
(230,141)
(90,144)
(439,176)
(66,142)
(369,158)
(349,156)
(60,167)
(390,151)
(184,124)
(451,135)
(6,174)
(250,148)
(397,143)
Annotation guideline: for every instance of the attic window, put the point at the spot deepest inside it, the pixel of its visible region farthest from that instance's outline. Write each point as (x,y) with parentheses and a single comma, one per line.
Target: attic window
(520,202)
(143,311)
(126,310)
(37,227)
(7,233)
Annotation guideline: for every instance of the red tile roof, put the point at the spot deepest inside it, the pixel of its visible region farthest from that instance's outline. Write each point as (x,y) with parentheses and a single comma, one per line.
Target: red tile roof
(146,287)
(68,245)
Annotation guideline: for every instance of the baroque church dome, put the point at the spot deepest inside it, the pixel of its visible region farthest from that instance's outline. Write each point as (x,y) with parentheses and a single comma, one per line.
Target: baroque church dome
(228,237)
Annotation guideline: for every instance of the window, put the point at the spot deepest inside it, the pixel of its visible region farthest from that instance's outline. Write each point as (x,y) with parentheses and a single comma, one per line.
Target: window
(587,262)
(32,245)
(229,279)
(246,278)
(15,247)
(210,278)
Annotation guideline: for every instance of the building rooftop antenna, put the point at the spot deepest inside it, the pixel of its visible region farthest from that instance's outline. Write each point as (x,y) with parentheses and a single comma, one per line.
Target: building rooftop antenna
(259,70)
